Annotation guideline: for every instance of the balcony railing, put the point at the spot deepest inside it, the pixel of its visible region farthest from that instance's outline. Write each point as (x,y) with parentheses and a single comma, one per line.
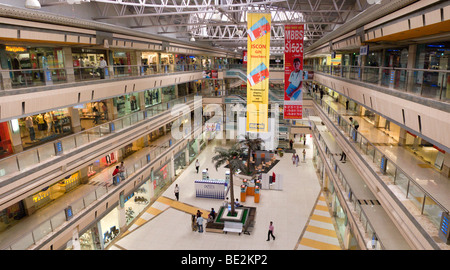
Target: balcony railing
(412,191)
(31,158)
(55,223)
(352,202)
(25,78)
(434,84)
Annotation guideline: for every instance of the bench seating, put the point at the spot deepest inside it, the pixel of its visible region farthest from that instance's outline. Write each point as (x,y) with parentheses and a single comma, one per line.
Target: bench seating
(232,227)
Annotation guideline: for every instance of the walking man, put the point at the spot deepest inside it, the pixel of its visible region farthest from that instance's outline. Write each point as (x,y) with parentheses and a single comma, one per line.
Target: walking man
(271,228)
(197,165)
(200,224)
(102,67)
(177,191)
(304,155)
(343,157)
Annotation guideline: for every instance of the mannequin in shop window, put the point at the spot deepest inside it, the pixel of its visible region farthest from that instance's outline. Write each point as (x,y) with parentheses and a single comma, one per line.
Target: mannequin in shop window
(48,117)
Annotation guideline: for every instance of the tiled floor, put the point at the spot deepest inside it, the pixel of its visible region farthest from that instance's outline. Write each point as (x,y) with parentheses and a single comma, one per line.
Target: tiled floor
(169,226)
(320,233)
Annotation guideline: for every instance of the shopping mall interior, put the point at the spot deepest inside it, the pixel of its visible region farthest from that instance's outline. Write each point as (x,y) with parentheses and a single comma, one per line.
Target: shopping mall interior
(184,125)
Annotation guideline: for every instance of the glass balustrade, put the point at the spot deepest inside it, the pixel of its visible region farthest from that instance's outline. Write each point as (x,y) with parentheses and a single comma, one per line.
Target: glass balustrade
(411,190)
(433,84)
(35,156)
(52,224)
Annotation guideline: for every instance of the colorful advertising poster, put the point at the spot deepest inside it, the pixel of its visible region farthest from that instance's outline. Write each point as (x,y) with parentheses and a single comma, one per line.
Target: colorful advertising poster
(293,71)
(258,57)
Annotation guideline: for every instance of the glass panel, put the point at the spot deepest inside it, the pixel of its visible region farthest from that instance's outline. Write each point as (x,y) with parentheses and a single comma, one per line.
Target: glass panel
(390,169)
(8,166)
(89,198)
(94,134)
(41,231)
(46,152)
(415,195)
(27,159)
(100,191)
(23,243)
(401,181)
(58,219)
(77,206)
(104,129)
(433,211)
(81,139)
(68,144)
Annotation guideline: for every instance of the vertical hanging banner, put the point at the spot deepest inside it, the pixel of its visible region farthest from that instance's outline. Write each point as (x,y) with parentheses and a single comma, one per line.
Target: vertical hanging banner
(258,57)
(293,71)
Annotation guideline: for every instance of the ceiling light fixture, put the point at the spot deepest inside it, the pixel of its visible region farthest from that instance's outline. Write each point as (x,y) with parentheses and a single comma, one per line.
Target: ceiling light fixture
(33,4)
(192,39)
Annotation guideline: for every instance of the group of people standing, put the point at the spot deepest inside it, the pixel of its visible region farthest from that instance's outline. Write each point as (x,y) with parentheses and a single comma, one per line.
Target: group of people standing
(296,159)
(197,220)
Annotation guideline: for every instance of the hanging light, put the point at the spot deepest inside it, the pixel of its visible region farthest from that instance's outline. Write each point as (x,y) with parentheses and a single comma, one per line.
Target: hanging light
(33,4)
(239,32)
(192,39)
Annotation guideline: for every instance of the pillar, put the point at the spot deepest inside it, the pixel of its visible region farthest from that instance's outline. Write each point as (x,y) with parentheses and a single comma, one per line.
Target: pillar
(75,121)
(411,64)
(4,69)
(68,64)
(141,100)
(16,139)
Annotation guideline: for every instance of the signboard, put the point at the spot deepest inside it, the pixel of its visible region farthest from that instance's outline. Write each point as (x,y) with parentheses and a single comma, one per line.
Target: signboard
(364,50)
(213,189)
(258,57)
(244,57)
(293,71)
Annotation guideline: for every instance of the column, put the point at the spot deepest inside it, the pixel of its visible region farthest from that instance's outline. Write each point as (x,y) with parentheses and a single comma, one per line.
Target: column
(187,153)
(411,64)
(138,56)
(141,100)
(172,165)
(68,64)
(75,121)
(16,139)
(4,69)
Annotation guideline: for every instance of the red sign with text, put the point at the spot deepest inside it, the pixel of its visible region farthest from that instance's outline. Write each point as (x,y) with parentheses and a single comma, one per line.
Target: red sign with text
(293,71)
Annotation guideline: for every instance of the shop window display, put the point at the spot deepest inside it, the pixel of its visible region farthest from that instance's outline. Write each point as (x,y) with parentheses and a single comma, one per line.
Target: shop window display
(44,127)
(127,104)
(153,97)
(90,240)
(86,63)
(5,141)
(136,202)
(180,162)
(35,66)
(109,227)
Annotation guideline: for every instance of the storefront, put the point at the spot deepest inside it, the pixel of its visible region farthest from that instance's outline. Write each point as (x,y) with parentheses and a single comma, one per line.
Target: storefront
(193,149)
(92,114)
(11,215)
(109,227)
(102,163)
(43,127)
(126,104)
(152,97)
(125,63)
(426,150)
(29,64)
(179,162)
(167,62)
(168,93)
(5,142)
(90,240)
(84,60)
(160,178)
(51,193)
(136,202)
(150,62)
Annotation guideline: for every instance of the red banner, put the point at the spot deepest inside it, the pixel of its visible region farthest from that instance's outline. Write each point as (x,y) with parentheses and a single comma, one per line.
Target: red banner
(293,71)
(244,57)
